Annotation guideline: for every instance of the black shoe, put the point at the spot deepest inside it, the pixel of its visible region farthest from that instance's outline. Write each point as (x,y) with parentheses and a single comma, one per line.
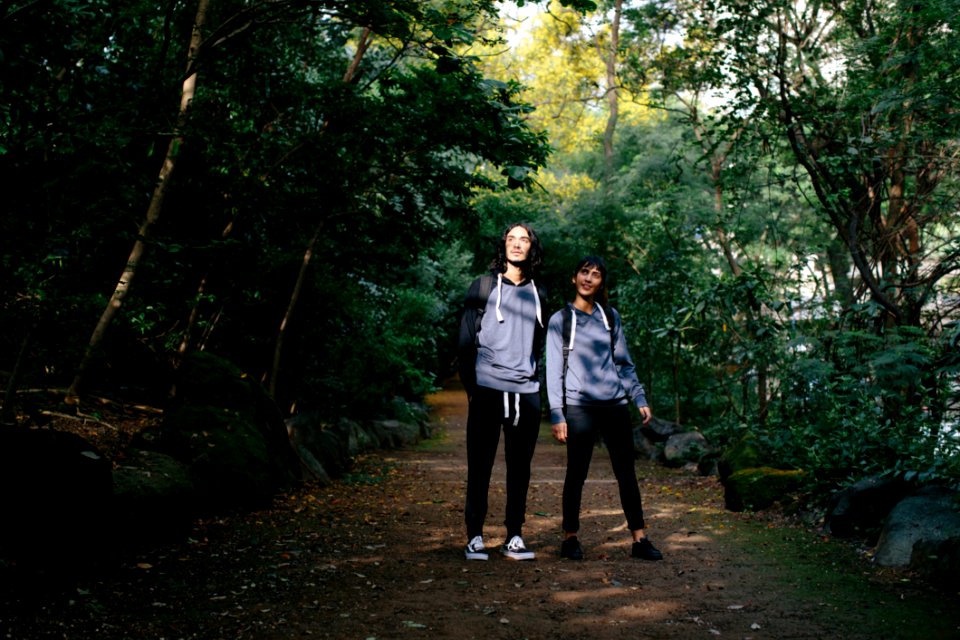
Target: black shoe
(570,548)
(645,550)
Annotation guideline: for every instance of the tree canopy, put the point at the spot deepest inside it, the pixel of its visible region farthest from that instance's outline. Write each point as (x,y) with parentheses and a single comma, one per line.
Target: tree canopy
(306,187)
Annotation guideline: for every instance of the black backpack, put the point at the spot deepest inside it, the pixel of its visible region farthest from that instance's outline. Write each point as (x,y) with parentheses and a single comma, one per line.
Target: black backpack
(487,283)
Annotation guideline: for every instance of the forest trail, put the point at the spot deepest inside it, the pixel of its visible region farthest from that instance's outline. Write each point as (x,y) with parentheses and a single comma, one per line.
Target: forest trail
(378,555)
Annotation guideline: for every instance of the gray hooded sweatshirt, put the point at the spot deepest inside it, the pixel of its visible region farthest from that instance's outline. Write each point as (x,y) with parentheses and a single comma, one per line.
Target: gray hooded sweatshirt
(595,375)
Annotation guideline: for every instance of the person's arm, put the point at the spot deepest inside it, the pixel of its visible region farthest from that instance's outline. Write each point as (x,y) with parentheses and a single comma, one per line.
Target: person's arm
(628,371)
(554,347)
(467,344)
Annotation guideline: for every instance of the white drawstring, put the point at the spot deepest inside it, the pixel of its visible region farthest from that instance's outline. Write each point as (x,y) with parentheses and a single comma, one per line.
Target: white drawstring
(573,324)
(536,297)
(604,316)
(516,406)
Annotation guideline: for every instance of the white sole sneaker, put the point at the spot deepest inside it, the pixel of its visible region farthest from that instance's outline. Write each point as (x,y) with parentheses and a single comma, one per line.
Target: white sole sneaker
(519,555)
(475,550)
(516,550)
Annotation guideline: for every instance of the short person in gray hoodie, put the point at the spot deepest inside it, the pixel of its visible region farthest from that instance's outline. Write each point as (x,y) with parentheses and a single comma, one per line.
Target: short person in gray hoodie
(501,341)
(589,389)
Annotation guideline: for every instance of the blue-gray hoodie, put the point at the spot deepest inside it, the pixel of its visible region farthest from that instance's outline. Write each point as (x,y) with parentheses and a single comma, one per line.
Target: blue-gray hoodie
(595,375)
(505,353)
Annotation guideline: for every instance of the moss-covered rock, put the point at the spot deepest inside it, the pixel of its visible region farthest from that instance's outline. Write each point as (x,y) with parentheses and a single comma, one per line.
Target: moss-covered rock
(746,453)
(228,432)
(154,497)
(225,452)
(758,488)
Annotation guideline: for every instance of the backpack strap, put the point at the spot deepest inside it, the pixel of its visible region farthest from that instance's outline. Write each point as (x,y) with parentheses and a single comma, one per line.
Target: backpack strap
(569,329)
(486,288)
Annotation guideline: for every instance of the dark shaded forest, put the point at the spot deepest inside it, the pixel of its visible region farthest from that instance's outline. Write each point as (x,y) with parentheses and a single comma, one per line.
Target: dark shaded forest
(305,188)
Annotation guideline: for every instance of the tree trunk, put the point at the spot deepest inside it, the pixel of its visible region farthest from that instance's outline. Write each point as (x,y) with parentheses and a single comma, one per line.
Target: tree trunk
(153,210)
(612,88)
(192,318)
(8,416)
(839,260)
(676,379)
(294,297)
(348,76)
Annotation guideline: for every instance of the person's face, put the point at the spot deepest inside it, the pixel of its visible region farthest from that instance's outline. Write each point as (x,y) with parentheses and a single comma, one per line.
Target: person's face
(588,281)
(518,245)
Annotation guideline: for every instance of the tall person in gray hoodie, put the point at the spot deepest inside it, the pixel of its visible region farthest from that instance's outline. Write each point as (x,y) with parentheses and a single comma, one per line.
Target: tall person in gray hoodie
(591,381)
(501,340)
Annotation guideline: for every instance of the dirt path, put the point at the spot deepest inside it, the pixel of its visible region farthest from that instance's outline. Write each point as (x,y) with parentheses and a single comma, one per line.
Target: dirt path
(379,556)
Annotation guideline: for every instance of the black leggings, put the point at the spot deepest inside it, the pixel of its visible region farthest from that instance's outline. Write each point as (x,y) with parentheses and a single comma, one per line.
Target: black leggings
(613,424)
(518,415)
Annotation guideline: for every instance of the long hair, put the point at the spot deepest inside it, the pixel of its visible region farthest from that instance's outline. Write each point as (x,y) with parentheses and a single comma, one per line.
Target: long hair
(597,262)
(534,261)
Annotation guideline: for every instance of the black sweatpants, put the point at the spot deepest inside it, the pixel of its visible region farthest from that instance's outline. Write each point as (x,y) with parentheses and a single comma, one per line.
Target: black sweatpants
(518,415)
(613,425)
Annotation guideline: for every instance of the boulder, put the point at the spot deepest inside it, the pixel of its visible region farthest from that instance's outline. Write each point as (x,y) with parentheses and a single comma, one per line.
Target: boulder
(759,488)
(659,430)
(643,447)
(393,434)
(154,497)
(938,561)
(859,510)
(357,438)
(56,492)
(689,447)
(327,450)
(929,515)
(229,434)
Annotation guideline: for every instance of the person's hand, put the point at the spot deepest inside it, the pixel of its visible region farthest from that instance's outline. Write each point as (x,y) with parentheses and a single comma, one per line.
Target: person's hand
(646,414)
(560,431)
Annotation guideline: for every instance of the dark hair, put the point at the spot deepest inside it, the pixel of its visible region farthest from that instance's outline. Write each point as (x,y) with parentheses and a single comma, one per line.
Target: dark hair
(601,266)
(534,260)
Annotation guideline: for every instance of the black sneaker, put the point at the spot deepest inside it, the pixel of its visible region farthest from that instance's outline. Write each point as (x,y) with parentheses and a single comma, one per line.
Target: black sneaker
(475,549)
(645,550)
(570,548)
(516,550)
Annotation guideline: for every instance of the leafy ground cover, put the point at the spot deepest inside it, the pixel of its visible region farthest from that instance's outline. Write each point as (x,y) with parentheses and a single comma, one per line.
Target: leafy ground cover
(378,555)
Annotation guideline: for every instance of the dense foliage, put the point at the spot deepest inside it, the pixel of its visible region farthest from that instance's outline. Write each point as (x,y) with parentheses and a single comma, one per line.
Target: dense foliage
(782,225)
(323,171)
(773,183)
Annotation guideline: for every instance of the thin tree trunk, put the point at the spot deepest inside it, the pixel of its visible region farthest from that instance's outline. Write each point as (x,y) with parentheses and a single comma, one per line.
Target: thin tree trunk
(153,210)
(348,76)
(839,260)
(676,379)
(294,297)
(612,88)
(8,416)
(194,314)
(191,320)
